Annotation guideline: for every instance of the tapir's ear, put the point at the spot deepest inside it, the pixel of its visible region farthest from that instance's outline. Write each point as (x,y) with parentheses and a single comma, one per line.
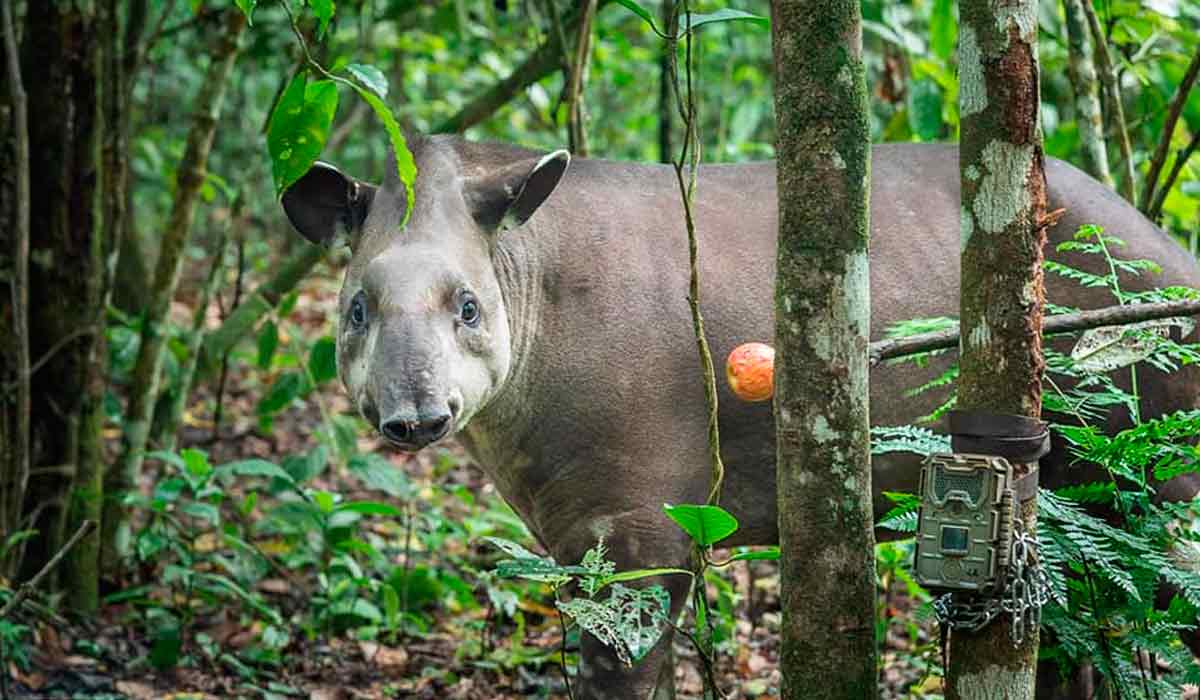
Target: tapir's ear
(505,199)
(325,203)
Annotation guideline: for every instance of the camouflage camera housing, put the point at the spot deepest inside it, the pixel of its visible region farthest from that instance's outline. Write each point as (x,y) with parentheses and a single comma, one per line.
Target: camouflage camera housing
(965,521)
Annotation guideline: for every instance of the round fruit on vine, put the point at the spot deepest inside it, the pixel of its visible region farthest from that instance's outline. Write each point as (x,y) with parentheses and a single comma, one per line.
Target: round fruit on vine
(750,371)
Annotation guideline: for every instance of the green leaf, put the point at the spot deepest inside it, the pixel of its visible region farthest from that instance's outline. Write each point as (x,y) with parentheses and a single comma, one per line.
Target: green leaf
(630,621)
(298,129)
(322,360)
(254,467)
(640,12)
(724,15)
(943,29)
(288,387)
(324,501)
(247,8)
(706,525)
(376,472)
(367,508)
(370,76)
(637,574)
(167,641)
(202,511)
(268,341)
(323,9)
(925,109)
(406,167)
(305,467)
(391,607)
(768,554)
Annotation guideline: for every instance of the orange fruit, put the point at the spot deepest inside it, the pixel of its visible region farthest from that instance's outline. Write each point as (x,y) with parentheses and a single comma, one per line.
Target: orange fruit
(750,371)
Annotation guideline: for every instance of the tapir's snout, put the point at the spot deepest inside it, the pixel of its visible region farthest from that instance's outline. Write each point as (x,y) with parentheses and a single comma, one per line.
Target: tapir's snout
(417,432)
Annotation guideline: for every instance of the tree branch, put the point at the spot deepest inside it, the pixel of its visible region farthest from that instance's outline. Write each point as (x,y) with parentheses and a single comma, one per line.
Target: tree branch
(544,61)
(31,585)
(1060,323)
(1168,130)
(1180,160)
(1112,89)
(14,499)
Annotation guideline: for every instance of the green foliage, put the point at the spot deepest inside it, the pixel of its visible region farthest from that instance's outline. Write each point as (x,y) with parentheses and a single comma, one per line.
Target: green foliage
(706,525)
(299,128)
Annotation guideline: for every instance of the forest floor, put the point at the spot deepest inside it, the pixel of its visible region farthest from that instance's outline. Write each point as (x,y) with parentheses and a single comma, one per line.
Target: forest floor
(472,639)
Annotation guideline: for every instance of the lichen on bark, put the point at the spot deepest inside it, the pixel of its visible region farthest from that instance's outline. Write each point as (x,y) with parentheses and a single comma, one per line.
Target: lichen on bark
(822,316)
(1003,204)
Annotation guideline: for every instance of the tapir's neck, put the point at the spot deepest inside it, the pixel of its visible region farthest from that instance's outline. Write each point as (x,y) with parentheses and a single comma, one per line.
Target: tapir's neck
(499,435)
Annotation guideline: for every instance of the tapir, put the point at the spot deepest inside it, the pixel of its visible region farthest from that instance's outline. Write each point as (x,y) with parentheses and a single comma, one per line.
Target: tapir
(538,312)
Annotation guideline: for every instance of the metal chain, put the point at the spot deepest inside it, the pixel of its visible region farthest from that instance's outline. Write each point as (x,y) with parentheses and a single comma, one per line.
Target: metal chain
(1025,591)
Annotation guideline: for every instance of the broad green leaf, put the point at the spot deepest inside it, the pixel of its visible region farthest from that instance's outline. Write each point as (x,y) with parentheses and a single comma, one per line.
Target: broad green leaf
(324,501)
(196,463)
(323,9)
(322,360)
(706,525)
(254,467)
(370,76)
(640,12)
(358,607)
(167,641)
(391,607)
(304,467)
(376,472)
(298,129)
(268,341)
(247,8)
(512,548)
(168,457)
(406,167)
(724,15)
(203,511)
(367,508)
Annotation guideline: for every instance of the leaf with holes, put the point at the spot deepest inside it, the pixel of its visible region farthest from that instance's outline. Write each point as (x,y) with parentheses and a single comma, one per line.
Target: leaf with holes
(1112,347)
(630,621)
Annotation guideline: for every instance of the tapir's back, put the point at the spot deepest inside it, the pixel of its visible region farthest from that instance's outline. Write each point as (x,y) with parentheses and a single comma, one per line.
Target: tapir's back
(619,359)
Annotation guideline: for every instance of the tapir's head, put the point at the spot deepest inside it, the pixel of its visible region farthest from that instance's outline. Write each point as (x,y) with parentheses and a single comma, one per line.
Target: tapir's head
(423,338)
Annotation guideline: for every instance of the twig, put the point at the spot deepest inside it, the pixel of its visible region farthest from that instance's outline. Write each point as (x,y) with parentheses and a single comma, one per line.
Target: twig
(562,650)
(237,300)
(31,585)
(54,350)
(576,129)
(1112,87)
(1168,130)
(14,500)
(1181,160)
(1060,323)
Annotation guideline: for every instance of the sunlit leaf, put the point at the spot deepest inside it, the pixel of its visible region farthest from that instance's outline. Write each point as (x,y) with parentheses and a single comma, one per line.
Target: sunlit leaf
(298,129)
(370,76)
(706,525)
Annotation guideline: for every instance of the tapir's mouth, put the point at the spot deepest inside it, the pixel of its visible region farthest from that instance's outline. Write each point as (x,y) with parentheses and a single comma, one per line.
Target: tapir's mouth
(411,434)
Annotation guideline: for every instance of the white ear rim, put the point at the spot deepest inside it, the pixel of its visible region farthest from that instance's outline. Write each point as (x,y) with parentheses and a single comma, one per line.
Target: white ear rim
(509,222)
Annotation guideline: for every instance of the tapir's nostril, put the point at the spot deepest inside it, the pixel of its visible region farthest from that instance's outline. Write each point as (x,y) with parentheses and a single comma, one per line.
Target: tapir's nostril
(417,433)
(397,430)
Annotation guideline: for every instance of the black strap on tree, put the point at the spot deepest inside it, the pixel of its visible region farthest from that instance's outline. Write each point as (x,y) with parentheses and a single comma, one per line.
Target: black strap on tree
(1019,439)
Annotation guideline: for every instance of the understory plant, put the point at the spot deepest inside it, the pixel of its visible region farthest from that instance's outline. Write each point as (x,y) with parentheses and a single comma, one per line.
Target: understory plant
(1110,548)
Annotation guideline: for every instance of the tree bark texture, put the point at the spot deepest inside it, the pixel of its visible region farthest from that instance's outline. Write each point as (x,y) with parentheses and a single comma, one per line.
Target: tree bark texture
(1003,205)
(60,69)
(146,375)
(82,563)
(822,307)
(1088,113)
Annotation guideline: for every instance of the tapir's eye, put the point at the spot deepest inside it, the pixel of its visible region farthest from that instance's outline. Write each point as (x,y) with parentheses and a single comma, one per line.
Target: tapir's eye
(358,311)
(469,313)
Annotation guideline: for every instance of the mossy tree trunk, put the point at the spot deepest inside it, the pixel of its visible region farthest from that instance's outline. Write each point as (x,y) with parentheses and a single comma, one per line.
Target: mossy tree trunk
(192,171)
(822,310)
(1082,72)
(1003,205)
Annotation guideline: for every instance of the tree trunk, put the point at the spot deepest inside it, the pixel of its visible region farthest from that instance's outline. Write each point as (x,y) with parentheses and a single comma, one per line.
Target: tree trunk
(82,564)
(822,306)
(1082,73)
(192,171)
(61,68)
(1003,203)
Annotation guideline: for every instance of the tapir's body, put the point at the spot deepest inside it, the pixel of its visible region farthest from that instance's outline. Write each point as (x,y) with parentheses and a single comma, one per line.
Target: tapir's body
(598,417)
